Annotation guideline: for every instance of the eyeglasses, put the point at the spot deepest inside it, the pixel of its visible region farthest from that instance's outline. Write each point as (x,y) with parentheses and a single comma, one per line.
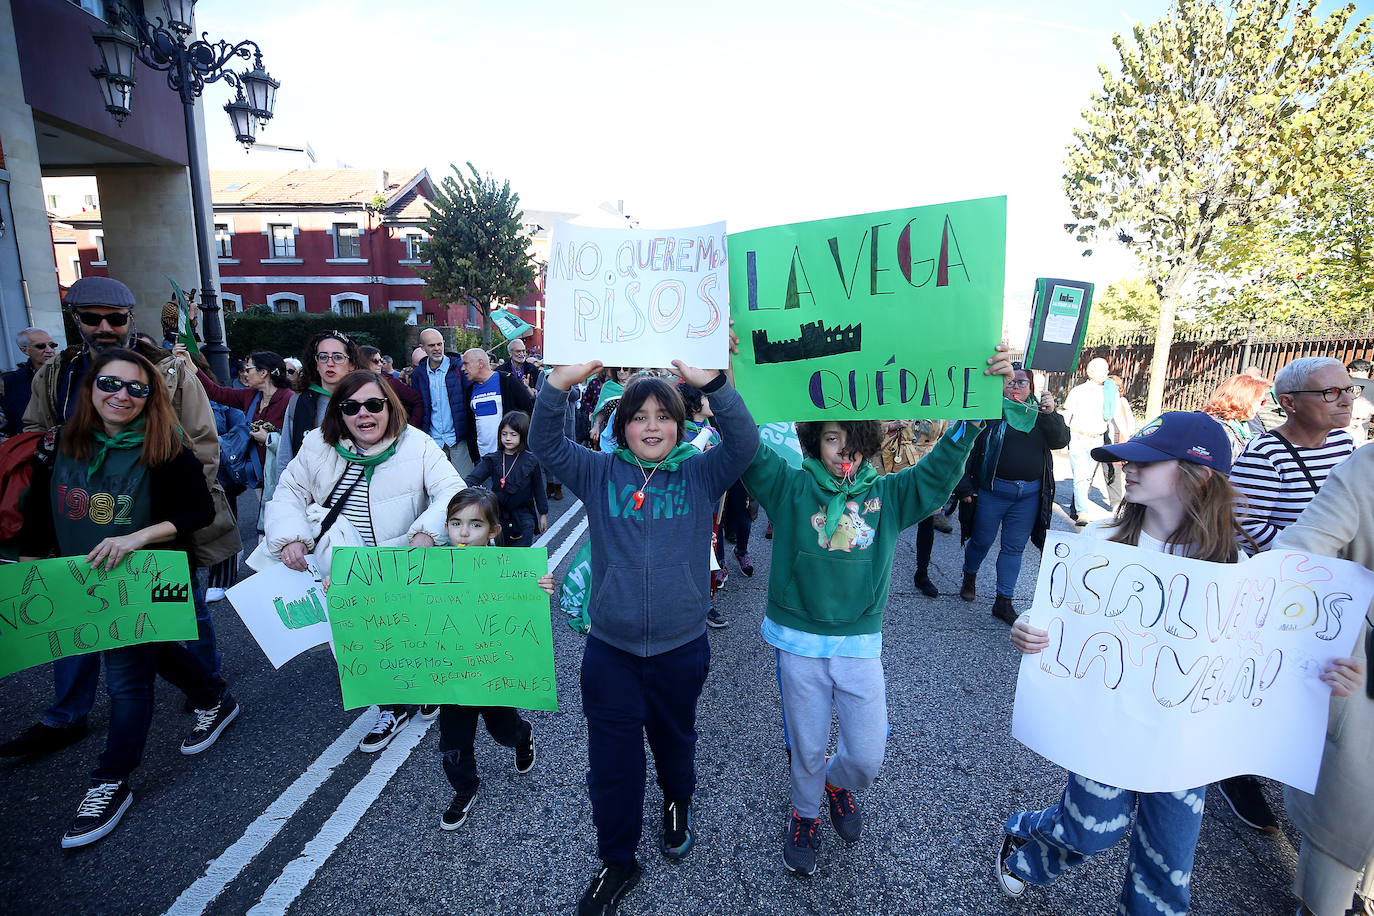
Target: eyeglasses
(253,369)
(350,407)
(110,384)
(331,357)
(1330,394)
(1019,382)
(291,370)
(50,345)
(93,319)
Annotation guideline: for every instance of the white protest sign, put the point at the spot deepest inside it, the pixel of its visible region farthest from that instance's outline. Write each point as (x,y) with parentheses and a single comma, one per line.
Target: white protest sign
(284,610)
(1165,673)
(633,297)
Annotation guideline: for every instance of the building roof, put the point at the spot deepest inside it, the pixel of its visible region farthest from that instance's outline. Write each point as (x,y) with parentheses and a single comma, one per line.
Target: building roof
(311,187)
(540,222)
(84,216)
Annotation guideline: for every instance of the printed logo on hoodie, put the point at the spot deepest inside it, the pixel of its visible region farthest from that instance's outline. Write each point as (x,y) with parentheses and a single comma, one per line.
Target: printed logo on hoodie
(852,533)
(659,502)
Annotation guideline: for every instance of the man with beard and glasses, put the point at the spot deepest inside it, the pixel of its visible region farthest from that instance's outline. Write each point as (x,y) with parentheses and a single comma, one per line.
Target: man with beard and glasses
(103,311)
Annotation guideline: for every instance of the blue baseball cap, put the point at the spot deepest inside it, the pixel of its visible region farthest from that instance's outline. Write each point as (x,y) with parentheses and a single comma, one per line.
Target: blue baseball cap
(1177,435)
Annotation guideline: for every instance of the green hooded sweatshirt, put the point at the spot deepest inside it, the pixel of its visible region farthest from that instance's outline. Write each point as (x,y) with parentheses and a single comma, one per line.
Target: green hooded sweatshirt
(837,585)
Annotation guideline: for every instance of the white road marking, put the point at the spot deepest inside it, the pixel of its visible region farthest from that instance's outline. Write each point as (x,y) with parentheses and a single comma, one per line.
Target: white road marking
(221,872)
(225,868)
(298,873)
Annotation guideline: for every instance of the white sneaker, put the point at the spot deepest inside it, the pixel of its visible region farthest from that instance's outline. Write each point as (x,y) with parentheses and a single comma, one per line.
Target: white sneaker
(214,594)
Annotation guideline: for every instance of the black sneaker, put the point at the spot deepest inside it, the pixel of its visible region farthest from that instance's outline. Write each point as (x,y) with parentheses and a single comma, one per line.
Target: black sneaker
(768,535)
(746,565)
(845,815)
(677,828)
(209,723)
(429,712)
(799,850)
(98,813)
(715,621)
(39,739)
(1004,610)
(925,586)
(389,724)
(457,813)
(525,753)
(1246,799)
(608,888)
(1012,885)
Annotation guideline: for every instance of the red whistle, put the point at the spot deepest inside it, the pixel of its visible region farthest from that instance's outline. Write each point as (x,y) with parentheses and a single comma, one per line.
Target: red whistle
(639,499)
(846,467)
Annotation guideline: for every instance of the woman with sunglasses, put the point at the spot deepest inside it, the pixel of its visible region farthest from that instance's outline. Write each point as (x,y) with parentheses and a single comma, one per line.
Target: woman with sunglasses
(364,478)
(123,446)
(328,357)
(1010,480)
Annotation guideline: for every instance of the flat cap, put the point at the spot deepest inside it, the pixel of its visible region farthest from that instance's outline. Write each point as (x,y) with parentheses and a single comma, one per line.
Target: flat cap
(100,291)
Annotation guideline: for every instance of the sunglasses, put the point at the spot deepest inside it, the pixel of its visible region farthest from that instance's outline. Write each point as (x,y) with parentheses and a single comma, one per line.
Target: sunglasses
(350,408)
(50,345)
(92,319)
(110,384)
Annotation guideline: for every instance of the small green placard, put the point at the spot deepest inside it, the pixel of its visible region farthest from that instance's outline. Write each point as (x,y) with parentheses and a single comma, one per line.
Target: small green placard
(466,625)
(882,316)
(60,607)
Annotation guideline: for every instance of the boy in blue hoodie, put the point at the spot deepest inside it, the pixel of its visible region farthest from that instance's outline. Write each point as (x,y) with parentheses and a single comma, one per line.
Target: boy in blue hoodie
(649,505)
(836,521)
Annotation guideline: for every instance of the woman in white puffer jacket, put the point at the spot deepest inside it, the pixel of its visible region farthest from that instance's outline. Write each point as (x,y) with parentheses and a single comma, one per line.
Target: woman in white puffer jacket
(364,478)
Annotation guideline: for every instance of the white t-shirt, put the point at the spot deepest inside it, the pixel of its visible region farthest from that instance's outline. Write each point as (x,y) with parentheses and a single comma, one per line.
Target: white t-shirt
(1103,528)
(486,413)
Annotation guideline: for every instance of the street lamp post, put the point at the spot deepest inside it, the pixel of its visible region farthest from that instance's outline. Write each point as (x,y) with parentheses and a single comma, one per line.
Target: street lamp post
(162,45)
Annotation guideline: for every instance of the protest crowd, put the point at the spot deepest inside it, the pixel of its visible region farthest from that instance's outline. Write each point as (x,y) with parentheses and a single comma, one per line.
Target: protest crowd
(129,444)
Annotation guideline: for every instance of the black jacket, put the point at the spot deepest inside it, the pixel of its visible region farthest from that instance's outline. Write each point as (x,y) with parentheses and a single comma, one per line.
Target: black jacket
(982,466)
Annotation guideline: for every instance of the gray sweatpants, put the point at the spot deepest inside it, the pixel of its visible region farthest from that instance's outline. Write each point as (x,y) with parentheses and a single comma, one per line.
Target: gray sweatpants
(856,690)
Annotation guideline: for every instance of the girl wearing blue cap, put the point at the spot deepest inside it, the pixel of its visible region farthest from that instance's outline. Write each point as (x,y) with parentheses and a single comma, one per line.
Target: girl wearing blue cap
(1179,501)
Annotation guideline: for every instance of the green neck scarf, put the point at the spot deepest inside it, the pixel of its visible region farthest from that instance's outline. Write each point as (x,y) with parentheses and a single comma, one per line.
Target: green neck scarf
(1020,415)
(840,490)
(680,453)
(319,389)
(609,392)
(369,462)
(130,436)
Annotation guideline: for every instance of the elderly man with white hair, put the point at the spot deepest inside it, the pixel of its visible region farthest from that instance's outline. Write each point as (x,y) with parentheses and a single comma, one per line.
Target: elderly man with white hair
(1278,475)
(38,345)
(491,395)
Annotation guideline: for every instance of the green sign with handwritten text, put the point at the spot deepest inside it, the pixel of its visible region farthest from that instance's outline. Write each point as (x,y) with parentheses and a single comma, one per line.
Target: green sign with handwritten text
(467,625)
(55,608)
(882,316)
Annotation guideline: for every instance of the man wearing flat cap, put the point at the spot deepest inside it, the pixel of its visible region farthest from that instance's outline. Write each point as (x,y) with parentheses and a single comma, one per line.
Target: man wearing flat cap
(103,311)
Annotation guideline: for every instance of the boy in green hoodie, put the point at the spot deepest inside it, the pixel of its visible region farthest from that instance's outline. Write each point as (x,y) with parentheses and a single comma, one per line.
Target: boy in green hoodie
(840,520)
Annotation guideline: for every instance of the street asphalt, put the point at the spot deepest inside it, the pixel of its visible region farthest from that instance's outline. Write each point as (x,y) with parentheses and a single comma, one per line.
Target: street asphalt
(953,773)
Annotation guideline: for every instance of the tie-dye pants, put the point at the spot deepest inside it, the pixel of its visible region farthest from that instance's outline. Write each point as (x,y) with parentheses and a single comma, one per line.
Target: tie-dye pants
(1092,817)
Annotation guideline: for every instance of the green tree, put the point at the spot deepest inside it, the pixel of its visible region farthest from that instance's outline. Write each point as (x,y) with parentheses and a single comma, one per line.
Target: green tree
(478,250)
(1221,112)
(1124,305)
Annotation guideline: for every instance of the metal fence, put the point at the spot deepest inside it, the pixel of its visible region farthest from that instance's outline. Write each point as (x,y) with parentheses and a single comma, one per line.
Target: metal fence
(1203,359)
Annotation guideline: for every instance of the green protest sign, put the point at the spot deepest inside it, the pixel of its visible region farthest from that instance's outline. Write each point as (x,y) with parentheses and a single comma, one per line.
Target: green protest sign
(60,607)
(466,625)
(883,316)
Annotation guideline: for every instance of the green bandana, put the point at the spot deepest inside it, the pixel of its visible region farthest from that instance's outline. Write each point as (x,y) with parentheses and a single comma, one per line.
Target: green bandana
(680,453)
(369,462)
(319,389)
(840,490)
(130,436)
(1020,415)
(609,392)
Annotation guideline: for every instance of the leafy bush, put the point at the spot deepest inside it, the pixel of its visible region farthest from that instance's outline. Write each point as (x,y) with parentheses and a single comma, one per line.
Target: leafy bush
(261,328)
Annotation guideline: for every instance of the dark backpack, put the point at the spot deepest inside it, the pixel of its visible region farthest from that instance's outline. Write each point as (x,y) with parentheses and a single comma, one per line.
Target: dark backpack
(235,448)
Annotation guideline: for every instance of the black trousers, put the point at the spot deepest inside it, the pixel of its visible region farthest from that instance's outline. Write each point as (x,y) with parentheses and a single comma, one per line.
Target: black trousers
(458,735)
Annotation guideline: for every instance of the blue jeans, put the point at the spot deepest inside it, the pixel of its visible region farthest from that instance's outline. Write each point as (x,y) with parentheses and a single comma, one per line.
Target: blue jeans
(1011,505)
(626,699)
(129,676)
(76,676)
(1092,817)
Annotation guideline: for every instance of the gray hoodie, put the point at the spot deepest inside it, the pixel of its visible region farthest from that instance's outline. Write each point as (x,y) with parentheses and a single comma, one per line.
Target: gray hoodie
(650,567)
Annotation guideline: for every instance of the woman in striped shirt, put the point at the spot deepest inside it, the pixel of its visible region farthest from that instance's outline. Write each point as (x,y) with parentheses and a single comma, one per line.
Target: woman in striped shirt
(364,478)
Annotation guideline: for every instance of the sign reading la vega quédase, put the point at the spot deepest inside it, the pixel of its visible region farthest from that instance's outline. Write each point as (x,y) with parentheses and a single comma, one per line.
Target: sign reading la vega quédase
(54,608)
(881,316)
(466,625)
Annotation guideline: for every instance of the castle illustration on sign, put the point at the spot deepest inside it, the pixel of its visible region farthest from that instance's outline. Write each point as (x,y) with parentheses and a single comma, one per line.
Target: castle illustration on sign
(815,340)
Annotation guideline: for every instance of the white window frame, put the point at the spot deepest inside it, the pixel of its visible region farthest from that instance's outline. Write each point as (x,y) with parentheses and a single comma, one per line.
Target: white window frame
(228,240)
(416,306)
(297,298)
(334,235)
(235,298)
(336,298)
(98,237)
(412,234)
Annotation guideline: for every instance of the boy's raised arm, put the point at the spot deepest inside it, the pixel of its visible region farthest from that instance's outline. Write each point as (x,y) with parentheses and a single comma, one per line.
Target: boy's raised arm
(569,462)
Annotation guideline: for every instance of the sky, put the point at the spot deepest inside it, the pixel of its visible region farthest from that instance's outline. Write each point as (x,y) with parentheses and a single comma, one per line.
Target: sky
(758,113)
